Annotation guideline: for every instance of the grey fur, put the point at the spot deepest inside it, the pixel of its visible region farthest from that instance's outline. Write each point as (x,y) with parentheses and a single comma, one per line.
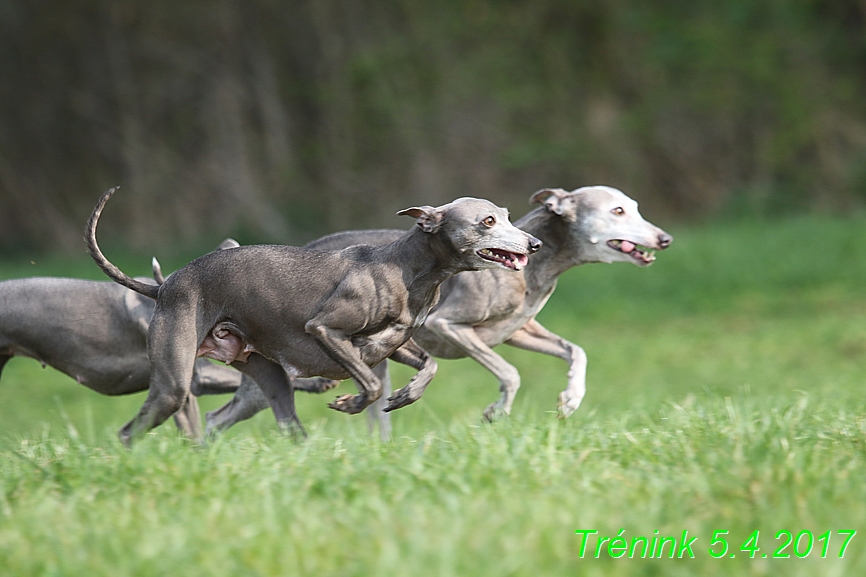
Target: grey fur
(278,312)
(96,333)
(478,311)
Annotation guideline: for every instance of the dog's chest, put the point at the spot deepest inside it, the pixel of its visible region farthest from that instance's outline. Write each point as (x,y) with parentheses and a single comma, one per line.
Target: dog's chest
(499,328)
(534,301)
(383,343)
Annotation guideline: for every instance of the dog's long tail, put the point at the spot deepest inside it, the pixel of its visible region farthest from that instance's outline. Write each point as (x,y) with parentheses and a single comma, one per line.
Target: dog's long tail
(107,267)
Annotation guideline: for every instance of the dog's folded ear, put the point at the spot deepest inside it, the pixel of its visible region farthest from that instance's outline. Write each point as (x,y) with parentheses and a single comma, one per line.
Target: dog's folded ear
(556,200)
(228,243)
(427,217)
(157,271)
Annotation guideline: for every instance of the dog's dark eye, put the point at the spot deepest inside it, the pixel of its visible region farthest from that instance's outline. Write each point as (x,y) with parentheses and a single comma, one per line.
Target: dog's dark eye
(618,211)
(489,221)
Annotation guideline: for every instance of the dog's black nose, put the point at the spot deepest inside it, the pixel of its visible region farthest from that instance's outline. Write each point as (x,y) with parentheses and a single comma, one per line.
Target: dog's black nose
(534,244)
(665,240)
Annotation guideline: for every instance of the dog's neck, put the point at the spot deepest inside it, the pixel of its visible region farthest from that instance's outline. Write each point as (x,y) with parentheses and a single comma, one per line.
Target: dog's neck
(426,262)
(560,252)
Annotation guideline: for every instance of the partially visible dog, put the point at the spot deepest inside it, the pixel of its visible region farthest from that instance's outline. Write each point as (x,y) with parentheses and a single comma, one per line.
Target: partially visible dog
(480,310)
(96,333)
(278,312)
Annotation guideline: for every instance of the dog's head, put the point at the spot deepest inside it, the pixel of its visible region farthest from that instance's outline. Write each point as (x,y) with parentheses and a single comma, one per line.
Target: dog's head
(606,224)
(478,232)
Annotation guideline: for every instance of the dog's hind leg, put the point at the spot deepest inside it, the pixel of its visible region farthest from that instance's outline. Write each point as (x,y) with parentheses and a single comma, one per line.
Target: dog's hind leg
(188,418)
(172,349)
(376,415)
(211,379)
(247,401)
(278,389)
(464,337)
(534,337)
(417,358)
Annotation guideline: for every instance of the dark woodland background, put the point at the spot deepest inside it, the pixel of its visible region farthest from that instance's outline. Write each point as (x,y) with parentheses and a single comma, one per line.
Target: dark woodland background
(276,121)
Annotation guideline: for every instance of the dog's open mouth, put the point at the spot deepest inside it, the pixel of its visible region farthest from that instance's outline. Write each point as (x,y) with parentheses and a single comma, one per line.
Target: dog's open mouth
(512,260)
(641,254)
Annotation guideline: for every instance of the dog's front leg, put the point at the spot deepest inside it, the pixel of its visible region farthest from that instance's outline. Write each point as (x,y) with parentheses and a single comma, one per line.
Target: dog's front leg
(465,337)
(534,337)
(317,385)
(339,347)
(376,415)
(417,358)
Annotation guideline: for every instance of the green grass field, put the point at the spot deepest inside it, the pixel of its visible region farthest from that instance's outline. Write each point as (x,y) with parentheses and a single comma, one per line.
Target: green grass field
(725,393)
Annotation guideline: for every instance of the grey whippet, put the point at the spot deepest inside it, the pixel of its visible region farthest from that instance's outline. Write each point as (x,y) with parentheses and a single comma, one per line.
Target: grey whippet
(96,333)
(280,312)
(480,310)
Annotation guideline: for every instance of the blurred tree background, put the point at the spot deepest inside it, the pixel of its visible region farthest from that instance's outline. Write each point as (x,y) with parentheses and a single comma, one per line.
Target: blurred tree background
(280,120)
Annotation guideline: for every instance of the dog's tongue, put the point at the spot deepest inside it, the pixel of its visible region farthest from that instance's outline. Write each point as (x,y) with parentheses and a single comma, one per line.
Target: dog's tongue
(522,259)
(626,246)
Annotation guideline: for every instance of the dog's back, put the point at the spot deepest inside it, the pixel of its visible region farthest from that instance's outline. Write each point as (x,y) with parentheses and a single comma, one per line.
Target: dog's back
(345,239)
(94,331)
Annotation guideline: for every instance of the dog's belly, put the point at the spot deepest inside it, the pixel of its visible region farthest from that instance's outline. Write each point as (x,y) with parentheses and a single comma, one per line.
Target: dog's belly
(109,372)
(130,379)
(109,375)
(300,354)
(491,332)
(309,359)
(496,333)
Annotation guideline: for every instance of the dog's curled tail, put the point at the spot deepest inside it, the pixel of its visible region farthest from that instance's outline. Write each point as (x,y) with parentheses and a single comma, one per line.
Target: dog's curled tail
(107,267)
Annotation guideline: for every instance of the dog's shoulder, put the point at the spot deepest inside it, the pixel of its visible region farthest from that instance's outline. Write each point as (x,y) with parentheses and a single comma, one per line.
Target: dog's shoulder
(362,253)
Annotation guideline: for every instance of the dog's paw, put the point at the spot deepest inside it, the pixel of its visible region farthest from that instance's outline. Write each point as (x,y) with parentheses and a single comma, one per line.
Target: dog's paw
(494,413)
(566,406)
(401,398)
(293,429)
(352,404)
(317,385)
(327,384)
